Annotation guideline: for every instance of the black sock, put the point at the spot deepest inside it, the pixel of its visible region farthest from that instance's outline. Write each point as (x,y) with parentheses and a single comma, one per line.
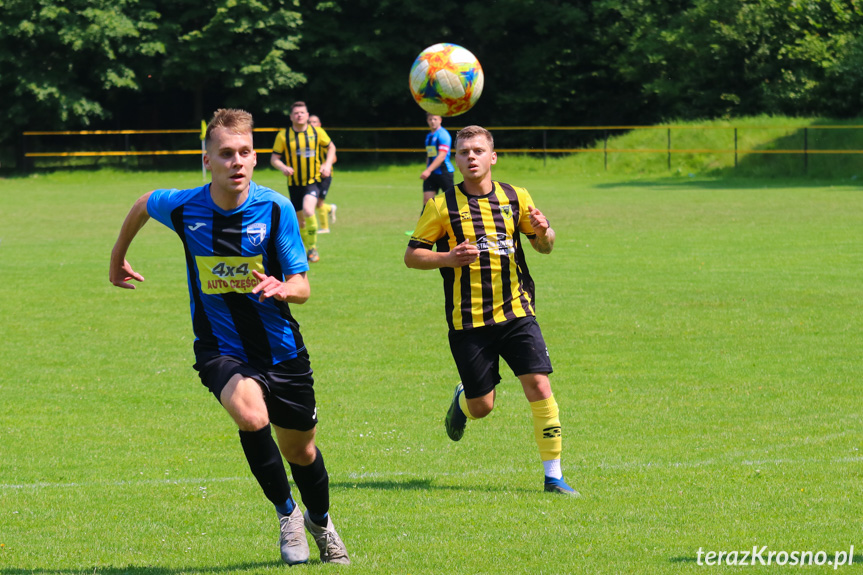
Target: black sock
(313,481)
(266,464)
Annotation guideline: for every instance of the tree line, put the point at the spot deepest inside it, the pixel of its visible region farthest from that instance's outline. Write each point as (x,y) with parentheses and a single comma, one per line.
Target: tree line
(100,64)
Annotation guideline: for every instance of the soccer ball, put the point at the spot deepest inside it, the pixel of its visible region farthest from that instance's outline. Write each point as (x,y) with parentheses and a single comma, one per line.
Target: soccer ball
(446,80)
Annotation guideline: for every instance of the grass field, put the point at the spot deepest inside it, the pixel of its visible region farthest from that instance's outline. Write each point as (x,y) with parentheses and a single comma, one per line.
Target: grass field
(705,333)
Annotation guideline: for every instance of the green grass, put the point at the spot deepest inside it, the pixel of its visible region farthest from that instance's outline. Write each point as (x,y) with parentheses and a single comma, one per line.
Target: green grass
(643,152)
(705,334)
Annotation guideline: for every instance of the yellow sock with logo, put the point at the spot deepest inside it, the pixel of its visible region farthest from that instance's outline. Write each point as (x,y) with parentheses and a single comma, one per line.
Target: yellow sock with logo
(322,214)
(462,403)
(546,428)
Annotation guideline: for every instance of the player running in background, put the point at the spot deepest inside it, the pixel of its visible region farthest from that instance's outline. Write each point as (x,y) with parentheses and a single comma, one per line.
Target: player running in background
(489,294)
(325,212)
(296,155)
(246,263)
(437,177)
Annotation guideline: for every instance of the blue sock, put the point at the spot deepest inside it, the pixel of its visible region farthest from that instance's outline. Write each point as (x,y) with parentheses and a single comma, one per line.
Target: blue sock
(321,520)
(287,507)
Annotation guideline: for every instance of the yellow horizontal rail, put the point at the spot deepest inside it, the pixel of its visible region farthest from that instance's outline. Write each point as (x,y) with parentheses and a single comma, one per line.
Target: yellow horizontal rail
(419,151)
(109,132)
(424,129)
(90,154)
(667,151)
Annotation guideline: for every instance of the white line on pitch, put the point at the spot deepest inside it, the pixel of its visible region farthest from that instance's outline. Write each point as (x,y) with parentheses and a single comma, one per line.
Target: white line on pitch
(46,484)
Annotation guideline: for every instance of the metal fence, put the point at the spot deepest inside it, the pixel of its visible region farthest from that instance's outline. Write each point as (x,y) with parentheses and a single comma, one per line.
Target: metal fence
(59,147)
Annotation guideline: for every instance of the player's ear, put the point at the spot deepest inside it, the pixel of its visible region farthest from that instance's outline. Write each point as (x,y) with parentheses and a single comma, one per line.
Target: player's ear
(493,158)
(206,160)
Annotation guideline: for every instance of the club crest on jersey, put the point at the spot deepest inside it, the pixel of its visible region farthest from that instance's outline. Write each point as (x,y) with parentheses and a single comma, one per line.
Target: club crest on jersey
(465,216)
(506,211)
(257,233)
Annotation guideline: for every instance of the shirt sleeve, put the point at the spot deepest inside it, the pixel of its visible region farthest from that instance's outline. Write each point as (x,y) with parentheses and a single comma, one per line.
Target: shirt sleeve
(444,141)
(525,202)
(280,144)
(429,228)
(324,140)
(292,253)
(161,203)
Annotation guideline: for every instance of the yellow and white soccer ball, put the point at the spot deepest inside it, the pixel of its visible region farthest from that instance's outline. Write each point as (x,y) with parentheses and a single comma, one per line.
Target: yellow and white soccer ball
(446,80)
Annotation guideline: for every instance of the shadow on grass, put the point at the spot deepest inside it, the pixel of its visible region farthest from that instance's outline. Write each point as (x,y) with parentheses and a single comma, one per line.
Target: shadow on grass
(703,182)
(144,570)
(683,560)
(425,485)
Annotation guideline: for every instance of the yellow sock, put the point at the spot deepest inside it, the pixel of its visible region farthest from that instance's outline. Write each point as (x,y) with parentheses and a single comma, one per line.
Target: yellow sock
(304,234)
(546,428)
(462,403)
(311,238)
(322,213)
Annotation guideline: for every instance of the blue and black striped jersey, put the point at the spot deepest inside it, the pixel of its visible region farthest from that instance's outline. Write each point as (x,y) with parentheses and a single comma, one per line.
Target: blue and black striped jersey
(222,248)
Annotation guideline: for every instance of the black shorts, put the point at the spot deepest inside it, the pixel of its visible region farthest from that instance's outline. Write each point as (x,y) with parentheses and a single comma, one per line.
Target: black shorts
(325,187)
(477,353)
(288,387)
(438,182)
(297,193)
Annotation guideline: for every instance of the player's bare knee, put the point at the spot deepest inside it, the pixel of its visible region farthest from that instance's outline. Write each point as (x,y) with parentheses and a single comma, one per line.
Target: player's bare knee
(303,454)
(243,399)
(479,410)
(251,420)
(536,386)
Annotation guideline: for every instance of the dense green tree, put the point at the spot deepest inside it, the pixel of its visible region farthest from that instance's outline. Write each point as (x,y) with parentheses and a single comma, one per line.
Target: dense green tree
(58,60)
(158,64)
(541,61)
(357,56)
(536,57)
(705,58)
(237,51)
(76,63)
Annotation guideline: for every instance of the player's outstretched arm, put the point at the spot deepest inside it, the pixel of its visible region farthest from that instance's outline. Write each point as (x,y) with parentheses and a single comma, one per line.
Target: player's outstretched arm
(120,271)
(295,288)
(543,242)
(462,255)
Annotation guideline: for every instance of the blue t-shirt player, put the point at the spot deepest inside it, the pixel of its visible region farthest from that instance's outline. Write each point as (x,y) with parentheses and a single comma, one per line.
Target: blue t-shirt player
(245,264)
(437,177)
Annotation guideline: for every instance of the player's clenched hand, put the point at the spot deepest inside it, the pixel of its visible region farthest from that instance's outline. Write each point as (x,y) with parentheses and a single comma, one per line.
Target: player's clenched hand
(269,286)
(537,221)
(463,254)
(120,275)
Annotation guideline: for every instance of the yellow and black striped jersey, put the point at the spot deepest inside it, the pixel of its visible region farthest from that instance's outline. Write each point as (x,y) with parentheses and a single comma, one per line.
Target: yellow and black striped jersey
(322,156)
(304,152)
(497,286)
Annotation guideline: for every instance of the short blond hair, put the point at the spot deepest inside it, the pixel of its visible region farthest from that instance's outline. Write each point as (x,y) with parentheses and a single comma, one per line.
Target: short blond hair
(235,120)
(469,132)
